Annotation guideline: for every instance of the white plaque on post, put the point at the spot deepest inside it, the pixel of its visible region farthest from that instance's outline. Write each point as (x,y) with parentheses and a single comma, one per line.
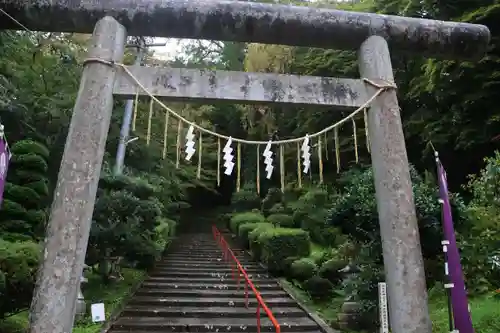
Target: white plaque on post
(382,301)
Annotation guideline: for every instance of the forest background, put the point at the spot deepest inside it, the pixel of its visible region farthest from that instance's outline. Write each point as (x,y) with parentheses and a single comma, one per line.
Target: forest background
(451,104)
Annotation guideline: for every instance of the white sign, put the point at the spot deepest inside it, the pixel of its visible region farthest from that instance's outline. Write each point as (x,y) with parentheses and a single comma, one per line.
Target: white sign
(98,313)
(3,164)
(382,301)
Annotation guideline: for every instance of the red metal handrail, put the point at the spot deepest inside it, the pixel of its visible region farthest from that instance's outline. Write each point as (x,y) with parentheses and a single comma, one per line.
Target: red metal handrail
(229,254)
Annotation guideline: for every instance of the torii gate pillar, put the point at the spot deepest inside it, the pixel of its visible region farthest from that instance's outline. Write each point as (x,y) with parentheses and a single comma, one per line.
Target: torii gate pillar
(403,262)
(54,301)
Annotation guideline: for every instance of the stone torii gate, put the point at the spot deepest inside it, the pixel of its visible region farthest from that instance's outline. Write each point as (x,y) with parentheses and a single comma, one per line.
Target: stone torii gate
(53,306)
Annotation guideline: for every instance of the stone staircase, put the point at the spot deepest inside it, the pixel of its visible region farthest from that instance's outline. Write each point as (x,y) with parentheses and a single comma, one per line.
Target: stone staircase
(192,290)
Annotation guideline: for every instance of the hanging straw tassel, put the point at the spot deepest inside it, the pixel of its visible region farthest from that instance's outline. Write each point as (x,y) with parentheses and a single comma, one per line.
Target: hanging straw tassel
(179,129)
(365,116)
(355,139)
(148,136)
(326,147)
(134,116)
(320,161)
(258,169)
(282,168)
(200,144)
(238,176)
(165,132)
(299,166)
(337,148)
(218,161)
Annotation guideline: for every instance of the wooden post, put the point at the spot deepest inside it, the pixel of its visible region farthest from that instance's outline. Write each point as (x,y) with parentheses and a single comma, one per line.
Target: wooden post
(404,267)
(53,305)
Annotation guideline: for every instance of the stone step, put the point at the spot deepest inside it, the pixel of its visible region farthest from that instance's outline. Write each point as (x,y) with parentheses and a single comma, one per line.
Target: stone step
(226,273)
(156,274)
(215,265)
(200,249)
(220,285)
(224,269)
(207,301)
(212,324)
(204,256)
(213,312)
(196,252)
(233,294)
(210,279)
(214,262)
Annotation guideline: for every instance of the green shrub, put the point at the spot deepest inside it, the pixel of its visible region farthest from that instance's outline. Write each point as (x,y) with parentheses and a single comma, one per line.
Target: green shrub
(242,218)
(20,176)
(330,270)
(277,209)
(138,187)
(21,194)
(37,219)
(246,199)
(354,211)
(323,255)
(16,227)
(330,236)
(225,219)
(281,243)
(303,269)
(12,210)
(18,268)
(287,264)
(163,231)
(40,187)
(273,197)
(281,220)
(311,213)
(245,229)
(31,162)
(254,239)
(318,288)
(25,147)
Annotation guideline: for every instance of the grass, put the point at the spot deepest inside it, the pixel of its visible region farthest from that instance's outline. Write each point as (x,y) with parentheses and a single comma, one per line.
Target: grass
(326,310)
(485,312)
(112,296)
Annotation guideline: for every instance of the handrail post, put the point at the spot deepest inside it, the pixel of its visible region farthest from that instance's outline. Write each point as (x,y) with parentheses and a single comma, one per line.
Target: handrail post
(258,317)
(238,279)
(246,294)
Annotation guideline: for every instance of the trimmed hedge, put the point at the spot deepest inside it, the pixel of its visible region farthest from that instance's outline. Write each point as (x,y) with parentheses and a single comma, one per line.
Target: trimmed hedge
(281,243)
(318,288)
(245,229)
(25,147)
(254,239)
(242,218)
(18,267)
(281,220)
(330,270)
(303,269)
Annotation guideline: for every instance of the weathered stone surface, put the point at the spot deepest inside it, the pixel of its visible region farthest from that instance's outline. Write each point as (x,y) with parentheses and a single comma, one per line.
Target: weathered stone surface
(403,261)
(241,87)
(53,305)
(253,22)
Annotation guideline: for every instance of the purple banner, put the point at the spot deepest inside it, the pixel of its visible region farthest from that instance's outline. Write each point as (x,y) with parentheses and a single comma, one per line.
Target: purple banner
(460,306)
(4,165)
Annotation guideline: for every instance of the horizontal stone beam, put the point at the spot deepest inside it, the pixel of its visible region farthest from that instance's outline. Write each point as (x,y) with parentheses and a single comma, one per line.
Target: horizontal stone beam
(253,22)
(241,87)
